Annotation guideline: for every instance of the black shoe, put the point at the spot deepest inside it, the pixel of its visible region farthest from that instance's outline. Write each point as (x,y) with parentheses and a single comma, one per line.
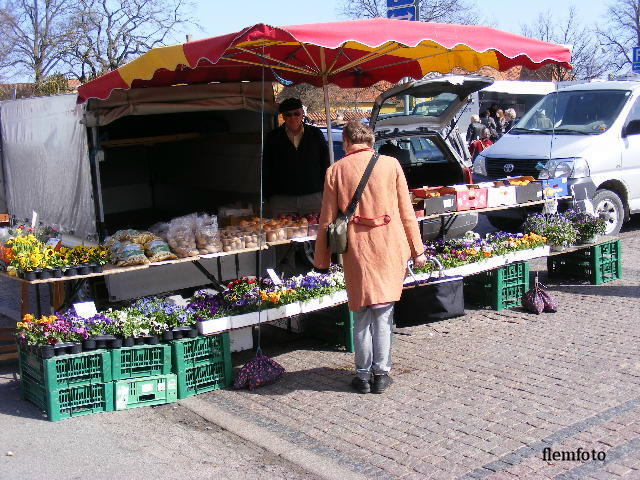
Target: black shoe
(362,386)
(380,383)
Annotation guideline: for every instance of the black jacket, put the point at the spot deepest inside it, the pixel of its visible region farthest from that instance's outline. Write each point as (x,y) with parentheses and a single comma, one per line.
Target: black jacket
(288,171)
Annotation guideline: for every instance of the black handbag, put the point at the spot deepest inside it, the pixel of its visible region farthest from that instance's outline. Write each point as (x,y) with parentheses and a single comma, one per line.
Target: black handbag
(433,299)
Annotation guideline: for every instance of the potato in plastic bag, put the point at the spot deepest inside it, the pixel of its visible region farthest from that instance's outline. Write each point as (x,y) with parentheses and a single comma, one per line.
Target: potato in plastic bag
(130,254)
(157,250)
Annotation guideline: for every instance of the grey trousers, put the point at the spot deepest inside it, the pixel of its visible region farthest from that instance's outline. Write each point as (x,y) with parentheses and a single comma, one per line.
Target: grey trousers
(372,329)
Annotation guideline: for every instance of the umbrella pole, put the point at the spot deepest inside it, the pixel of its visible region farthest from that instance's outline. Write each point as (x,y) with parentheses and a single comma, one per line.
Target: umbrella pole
(327,113)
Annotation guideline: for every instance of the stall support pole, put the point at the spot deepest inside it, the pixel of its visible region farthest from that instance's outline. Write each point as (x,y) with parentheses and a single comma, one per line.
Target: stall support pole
(38,307)
(348,331)
(217,283)
(24,299)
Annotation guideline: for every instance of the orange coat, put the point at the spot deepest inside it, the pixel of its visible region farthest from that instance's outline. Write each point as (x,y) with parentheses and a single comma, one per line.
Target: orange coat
(376,258)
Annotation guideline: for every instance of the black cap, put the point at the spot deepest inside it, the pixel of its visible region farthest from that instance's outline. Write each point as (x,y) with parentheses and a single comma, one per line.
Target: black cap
(290,104)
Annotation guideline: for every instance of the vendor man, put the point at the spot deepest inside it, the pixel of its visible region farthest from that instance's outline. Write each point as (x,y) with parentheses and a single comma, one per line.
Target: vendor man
(296,157)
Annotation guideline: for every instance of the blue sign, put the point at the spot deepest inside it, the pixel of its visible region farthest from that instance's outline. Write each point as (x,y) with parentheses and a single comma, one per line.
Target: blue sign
(399,3)
(402,13)
(635,66)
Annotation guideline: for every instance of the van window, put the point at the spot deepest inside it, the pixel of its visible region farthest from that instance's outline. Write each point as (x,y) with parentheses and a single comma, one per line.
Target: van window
(634,114)
(580,112)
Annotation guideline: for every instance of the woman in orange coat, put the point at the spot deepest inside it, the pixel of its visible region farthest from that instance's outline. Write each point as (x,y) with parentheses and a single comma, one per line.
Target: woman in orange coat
(382,235)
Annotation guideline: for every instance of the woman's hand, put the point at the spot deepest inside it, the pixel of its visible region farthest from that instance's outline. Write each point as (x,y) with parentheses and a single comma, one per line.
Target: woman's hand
(420,261)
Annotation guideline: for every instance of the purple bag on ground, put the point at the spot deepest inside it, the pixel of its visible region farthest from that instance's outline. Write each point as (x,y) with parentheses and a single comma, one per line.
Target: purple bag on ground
(536,300)
(257,372)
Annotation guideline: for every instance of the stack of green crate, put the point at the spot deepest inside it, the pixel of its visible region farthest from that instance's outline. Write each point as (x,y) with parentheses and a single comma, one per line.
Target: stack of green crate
(596,264)
(142,376)
(501,288)
(68,385)
(333,326)
(202,364)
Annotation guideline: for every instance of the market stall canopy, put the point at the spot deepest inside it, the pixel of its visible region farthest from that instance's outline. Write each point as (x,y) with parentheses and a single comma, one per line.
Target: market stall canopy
(349,54)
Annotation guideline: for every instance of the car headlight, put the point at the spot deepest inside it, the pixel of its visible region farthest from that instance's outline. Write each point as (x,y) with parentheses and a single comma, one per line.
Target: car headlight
(480,166)
(565,167)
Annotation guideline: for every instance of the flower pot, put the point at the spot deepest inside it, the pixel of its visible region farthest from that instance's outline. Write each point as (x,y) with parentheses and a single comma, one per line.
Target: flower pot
(29,276)
(214,325)
(70,271)
(283,311)
(76,347)
(102,341)
(96,268)
(139,340)
(589,240)
(115,343)
(44,274)
(62,348)
(559,248)
(56,272)
(46,351)
(167,336)
(177,334)
(84,270)
(88,344)
(192,332)
(128,342)
(246,319)
(310,305)
(153,340)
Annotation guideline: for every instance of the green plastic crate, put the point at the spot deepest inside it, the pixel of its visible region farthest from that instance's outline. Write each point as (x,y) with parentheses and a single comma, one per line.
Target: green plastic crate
(501,288)
(67,370)
(140,361)
(140,392)
(333,326)
(190,352)
(204,378)
(597,264)
(68,402)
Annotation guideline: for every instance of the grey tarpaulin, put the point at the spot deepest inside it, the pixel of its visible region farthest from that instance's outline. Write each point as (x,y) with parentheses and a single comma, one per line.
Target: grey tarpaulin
(46,164)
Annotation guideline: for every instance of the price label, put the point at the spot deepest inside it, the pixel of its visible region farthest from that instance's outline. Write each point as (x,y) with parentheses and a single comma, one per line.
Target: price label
(274,276)
(34,219)
(54,243)
(85,309)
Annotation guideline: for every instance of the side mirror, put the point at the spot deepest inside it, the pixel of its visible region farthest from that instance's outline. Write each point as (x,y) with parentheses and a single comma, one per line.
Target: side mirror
(632,128)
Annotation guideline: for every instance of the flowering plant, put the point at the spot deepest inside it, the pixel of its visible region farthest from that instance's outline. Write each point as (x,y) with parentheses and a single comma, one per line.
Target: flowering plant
(558,229)
(26,252)
(587,225)
(205,305)
(163,312)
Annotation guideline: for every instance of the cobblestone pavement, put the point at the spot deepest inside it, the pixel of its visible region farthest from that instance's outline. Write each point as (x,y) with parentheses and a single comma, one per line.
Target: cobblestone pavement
(477,397)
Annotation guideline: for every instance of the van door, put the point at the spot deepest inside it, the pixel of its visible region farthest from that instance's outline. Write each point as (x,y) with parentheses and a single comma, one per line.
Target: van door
(630,172)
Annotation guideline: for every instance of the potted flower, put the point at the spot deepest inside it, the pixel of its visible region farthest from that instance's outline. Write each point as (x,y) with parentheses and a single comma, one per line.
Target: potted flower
(98,257)
(559,231)
(588,226)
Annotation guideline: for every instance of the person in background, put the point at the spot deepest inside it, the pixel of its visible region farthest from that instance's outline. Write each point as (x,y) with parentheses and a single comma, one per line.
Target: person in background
(490,123)
(500,122)
(474,132)
(382,235)
(510,117)
(296,157)
(476,146)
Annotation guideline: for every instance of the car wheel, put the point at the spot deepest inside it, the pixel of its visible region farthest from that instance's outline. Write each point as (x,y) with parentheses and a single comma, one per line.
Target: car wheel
(511,225)
(608,206)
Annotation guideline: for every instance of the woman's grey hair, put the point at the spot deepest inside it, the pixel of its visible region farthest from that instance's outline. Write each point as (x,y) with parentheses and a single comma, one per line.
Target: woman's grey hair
(475,119)
(357,132)
(511,112)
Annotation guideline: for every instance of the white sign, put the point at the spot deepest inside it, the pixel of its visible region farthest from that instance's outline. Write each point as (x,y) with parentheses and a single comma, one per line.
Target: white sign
(53,243)
(34,219)
(274,277)
(85,309)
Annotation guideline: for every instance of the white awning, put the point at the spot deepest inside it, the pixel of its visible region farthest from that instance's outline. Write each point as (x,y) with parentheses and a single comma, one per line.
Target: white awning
(521,87)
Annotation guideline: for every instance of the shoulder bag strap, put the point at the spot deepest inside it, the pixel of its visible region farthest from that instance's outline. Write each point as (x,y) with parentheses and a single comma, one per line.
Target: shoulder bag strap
(351,208)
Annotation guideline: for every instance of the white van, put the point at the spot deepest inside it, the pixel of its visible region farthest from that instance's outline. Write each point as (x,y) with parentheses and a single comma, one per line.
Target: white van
(589,133)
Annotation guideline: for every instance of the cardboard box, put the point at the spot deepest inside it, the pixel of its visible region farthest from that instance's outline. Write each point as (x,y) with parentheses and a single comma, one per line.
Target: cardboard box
(468,197)
(554,187)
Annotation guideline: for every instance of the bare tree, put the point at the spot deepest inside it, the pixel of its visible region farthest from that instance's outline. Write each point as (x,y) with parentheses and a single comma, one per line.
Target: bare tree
(621,32)
(585,58)
(442,11)
(37,35)
(109,33)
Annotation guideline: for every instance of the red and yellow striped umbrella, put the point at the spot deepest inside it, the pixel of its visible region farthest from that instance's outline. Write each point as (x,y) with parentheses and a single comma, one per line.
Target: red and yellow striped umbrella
(354,53)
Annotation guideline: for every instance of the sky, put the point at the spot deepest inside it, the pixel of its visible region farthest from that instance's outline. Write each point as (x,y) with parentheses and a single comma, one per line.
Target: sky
(217,17)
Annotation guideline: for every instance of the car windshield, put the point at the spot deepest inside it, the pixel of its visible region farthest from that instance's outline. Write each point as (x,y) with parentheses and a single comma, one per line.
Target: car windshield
(579,112)
(428,107)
